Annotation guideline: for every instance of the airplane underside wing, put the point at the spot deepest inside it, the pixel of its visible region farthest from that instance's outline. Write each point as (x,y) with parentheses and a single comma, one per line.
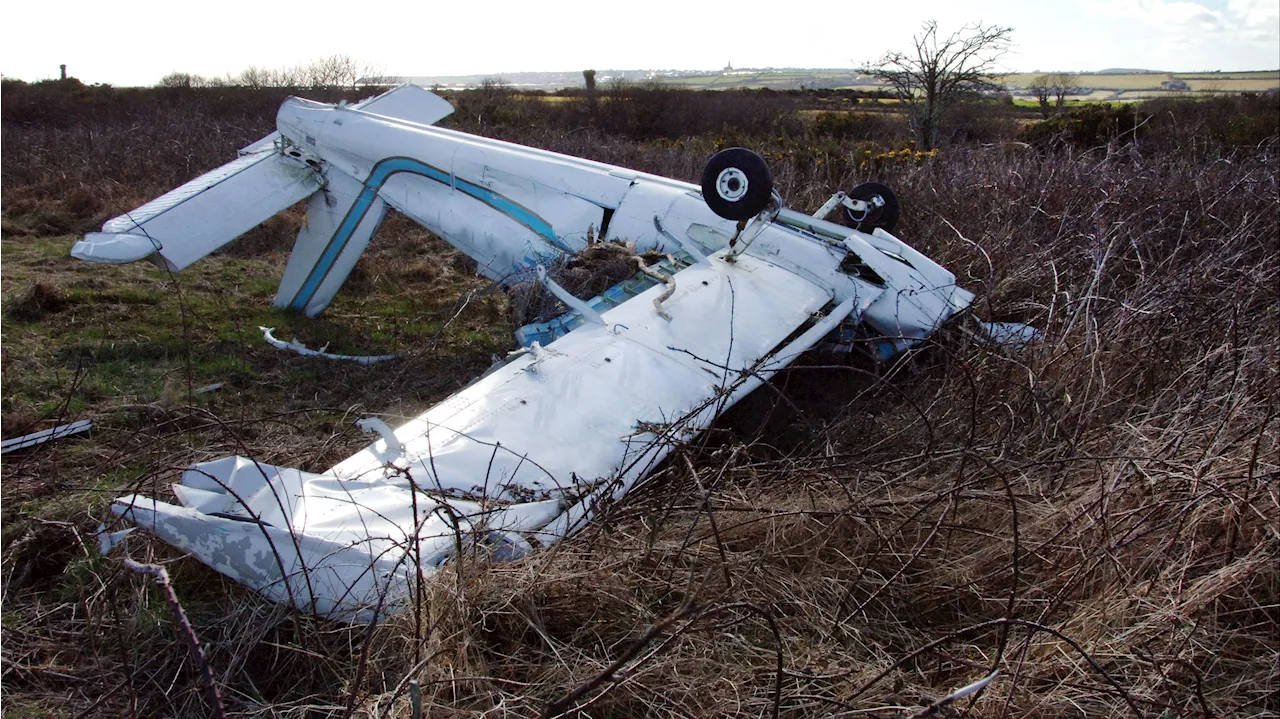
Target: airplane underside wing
(518,460)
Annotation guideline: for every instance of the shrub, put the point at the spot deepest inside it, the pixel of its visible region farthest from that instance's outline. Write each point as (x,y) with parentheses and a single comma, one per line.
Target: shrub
(1086,127)
(1245,120)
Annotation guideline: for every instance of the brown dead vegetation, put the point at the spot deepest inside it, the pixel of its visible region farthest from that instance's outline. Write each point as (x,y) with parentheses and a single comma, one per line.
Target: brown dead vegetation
(598,267)
(1097,516)
(34,302)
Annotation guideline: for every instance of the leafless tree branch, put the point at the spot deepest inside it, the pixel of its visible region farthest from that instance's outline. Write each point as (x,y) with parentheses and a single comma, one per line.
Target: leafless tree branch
(936,73)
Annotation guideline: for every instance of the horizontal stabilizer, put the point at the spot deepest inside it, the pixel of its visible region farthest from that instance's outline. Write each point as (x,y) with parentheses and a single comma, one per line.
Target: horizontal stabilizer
(409,103)
(197,218)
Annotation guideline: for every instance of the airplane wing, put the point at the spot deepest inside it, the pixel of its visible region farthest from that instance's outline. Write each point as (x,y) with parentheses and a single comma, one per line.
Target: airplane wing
(523,457)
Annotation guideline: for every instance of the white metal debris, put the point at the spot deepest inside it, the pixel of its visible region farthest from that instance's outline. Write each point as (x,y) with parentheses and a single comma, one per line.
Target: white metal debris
(110,540)
(1014,335)
(296,346)
(31,440)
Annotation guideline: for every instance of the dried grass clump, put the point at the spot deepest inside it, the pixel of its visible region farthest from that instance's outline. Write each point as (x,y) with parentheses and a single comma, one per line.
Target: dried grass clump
(598,267)
(32,304)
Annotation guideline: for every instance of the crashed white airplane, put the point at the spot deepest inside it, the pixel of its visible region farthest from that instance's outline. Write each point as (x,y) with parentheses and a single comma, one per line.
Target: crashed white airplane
(529,452)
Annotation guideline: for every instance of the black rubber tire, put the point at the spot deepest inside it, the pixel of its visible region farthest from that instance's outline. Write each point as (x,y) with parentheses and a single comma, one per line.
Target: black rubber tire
(885,217)
(751,167)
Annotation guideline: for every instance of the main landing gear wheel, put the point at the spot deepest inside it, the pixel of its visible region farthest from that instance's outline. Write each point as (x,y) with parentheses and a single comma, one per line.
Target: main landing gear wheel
(884,217)
(737,184)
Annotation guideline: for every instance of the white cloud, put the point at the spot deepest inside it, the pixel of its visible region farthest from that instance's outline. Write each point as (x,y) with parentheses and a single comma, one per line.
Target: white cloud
(1260,18)
(1188,35)
(1238,16)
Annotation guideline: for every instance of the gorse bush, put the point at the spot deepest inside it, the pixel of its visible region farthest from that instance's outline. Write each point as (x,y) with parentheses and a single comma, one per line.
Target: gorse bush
(1199,125)
(878,126)
(1087,127)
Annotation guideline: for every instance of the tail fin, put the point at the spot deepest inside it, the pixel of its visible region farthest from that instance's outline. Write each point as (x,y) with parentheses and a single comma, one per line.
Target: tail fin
(186,224)
(197,218)
(340,221)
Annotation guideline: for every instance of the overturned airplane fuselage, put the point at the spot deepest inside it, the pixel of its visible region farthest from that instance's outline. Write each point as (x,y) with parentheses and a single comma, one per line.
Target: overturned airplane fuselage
(528,453)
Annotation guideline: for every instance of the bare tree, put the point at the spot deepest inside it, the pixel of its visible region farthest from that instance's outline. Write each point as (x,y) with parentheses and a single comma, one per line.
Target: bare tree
(187,79)
(1054,86)
(334,71)
(254,77)
(936,73)
(178,79)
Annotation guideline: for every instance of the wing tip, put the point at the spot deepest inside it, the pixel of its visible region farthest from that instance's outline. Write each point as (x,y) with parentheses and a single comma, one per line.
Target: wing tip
(114,248)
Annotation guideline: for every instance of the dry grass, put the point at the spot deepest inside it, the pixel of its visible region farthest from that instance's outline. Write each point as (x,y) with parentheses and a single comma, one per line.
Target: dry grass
(1097,516)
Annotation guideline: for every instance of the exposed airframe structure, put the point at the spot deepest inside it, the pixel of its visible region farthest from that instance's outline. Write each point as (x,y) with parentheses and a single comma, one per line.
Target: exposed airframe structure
(528,453)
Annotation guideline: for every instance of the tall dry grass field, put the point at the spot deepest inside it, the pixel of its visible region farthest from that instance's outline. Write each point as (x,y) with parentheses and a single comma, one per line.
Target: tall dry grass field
(1096,516)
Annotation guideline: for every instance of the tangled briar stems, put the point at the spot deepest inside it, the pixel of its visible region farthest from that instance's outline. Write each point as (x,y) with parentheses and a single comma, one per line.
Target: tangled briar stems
(1095,516)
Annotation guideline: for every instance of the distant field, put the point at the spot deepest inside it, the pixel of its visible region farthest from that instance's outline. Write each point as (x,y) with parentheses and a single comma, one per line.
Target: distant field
(1264,75)
(1100,86)
(1258,84)
(1101,82)
(1215,82)
(775,80)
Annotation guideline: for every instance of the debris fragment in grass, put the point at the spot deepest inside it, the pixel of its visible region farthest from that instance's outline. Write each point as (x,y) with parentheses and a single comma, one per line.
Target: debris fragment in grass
(31,440)
(1013,335)
(305,351)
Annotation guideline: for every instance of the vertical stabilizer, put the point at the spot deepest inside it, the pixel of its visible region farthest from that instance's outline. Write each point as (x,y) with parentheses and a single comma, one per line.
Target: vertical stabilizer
(340,220)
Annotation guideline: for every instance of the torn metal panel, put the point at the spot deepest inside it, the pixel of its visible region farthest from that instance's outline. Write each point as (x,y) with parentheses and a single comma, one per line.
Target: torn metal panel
(31,440)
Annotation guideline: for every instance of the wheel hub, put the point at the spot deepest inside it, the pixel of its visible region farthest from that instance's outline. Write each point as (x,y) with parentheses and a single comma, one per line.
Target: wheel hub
(731,184)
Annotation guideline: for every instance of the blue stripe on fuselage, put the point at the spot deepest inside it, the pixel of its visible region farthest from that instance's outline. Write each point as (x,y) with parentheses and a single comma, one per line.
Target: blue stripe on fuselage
(380,174)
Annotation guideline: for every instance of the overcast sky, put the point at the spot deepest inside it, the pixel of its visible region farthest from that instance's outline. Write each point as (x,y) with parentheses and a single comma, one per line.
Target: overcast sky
(136,42)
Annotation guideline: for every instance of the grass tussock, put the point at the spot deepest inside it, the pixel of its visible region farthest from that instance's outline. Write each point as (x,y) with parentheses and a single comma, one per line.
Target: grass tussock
(1095,516)
(36,301)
